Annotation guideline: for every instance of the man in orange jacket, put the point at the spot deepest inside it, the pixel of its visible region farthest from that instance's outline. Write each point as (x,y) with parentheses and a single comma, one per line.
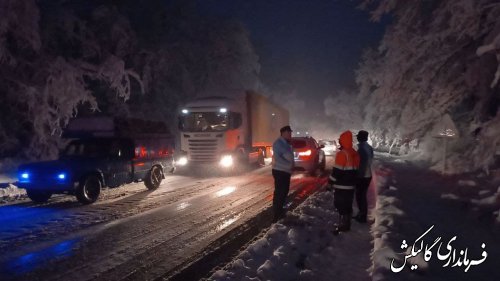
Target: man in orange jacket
(343,179)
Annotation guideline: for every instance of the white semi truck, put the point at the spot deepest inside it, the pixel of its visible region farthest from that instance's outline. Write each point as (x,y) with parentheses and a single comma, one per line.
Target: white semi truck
(229,131)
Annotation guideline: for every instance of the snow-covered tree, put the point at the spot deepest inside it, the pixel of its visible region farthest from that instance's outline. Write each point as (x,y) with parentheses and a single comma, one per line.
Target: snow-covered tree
(62,58)
(425,67)
(49,61)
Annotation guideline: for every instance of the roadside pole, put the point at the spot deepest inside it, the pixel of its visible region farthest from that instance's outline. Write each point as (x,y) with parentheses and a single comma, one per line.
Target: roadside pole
(445,129)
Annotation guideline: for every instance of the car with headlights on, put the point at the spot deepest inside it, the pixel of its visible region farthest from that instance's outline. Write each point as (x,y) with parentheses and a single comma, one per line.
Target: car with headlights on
(309,155)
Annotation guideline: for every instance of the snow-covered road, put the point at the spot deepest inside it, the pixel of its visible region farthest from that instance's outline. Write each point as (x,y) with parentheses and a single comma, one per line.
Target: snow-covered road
(132,233)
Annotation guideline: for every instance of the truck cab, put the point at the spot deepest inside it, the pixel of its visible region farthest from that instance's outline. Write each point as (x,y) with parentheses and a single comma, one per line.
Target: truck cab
(212,130)
(229,131)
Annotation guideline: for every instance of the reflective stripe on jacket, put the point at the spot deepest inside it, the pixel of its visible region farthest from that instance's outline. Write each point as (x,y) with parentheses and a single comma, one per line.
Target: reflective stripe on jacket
(345,169)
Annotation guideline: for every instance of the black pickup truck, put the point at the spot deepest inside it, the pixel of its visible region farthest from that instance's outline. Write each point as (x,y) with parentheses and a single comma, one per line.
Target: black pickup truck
(99,158)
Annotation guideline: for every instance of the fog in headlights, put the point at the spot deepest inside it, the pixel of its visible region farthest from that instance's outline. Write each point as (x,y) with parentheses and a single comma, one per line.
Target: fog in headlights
(182,161)
(226,161)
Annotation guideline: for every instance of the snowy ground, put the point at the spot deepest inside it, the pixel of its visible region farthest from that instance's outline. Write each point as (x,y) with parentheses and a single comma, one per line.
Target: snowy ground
(141,235)
(130,232)
(303,247)
(409,200)
(8,191)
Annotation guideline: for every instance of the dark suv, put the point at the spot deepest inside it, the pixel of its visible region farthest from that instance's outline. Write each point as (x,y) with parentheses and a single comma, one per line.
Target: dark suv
(308,154)
(87,165)
(104,151)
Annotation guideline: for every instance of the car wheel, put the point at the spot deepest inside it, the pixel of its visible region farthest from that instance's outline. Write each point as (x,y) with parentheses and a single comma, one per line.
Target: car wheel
(153,178)
(38,196)
(88,190)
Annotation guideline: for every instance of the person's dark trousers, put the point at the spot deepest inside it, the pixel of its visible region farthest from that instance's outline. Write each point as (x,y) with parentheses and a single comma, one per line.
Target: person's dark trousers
(361,191)
(343,199)
(281,188)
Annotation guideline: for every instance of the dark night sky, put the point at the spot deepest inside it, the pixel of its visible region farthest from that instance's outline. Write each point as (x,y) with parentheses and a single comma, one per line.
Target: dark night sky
(309,46)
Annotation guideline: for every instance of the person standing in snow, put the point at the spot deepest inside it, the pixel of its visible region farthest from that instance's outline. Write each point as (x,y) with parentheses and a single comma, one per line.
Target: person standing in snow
(343,179)
(365,152)
(283,163)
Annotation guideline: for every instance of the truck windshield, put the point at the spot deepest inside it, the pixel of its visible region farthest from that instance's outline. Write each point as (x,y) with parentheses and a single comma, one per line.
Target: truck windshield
(204,122)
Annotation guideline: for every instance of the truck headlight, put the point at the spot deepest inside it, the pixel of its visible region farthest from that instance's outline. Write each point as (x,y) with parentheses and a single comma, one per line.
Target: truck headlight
(226,161)
(182,161)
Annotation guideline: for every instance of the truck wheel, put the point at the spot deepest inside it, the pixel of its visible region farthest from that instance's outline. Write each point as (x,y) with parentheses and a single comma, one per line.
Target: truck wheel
(88,190)
(153,178)
(38,196)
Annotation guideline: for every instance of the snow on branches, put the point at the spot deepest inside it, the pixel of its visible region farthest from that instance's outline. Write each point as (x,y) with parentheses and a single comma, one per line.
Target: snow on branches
(19,21)
(62,58)
(47,65)
(492,47)
(426,66)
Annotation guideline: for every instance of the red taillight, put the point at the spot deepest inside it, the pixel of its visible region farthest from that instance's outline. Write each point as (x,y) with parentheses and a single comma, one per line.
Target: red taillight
(305,153)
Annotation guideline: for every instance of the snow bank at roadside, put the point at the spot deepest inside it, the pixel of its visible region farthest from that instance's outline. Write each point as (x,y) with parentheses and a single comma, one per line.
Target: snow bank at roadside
(11,192)
(386,210)
(483,197)
(8,191)
(303,247)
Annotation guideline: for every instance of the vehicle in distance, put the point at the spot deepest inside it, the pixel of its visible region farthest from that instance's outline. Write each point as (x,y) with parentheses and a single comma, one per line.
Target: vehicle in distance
(103,152)
(308,154)
(330,146)
(229,131)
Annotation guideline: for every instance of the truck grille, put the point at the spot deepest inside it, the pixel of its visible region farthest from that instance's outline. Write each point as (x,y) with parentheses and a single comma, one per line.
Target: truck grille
(203,150)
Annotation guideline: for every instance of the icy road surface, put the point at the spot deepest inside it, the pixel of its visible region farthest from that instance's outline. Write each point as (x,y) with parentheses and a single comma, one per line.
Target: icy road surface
(131,233)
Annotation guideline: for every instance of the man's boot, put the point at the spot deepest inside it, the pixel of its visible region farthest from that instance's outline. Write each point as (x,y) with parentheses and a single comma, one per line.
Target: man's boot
(345,223)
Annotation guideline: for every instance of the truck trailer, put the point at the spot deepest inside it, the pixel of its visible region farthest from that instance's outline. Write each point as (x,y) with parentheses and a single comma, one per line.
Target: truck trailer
(229,131)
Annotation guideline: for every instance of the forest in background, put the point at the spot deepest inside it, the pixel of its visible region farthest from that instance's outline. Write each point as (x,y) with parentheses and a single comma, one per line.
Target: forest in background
(437,59)
(63,58)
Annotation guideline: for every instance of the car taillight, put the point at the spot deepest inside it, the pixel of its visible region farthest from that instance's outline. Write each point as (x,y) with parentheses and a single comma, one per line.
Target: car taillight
(305,153)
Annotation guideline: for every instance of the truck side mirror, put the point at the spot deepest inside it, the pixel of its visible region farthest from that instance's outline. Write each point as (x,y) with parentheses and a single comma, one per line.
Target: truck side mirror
(322,146)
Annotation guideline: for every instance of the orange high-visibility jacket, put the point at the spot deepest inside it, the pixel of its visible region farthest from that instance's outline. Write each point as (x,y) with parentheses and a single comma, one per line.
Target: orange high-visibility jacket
(344,172)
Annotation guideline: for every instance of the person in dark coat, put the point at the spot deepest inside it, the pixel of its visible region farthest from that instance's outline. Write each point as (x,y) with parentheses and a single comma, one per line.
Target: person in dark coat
(365,152)
(343,180)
